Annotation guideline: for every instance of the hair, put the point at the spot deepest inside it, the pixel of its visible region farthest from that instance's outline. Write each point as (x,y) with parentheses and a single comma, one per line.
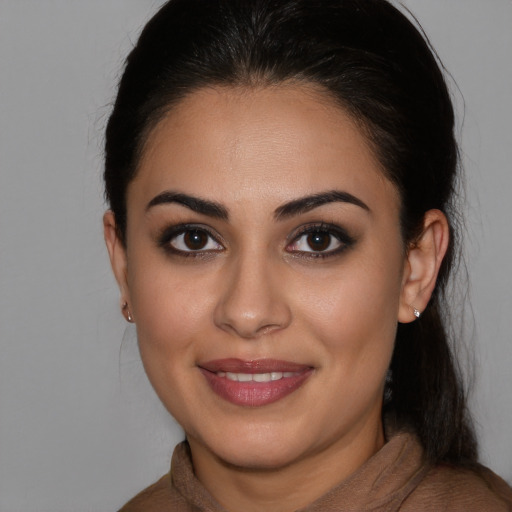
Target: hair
(374,63)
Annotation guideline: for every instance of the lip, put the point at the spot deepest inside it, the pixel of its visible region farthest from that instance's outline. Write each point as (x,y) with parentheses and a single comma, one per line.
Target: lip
(289,377)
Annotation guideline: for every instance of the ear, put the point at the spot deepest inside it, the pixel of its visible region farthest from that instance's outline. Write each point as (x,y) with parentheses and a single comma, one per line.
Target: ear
(422,265)
(117,254)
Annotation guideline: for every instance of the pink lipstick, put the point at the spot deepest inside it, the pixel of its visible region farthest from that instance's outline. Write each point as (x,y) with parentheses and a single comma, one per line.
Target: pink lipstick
(254,383)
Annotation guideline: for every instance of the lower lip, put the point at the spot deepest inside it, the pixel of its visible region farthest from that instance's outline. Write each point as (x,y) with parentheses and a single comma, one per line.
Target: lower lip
(255,394)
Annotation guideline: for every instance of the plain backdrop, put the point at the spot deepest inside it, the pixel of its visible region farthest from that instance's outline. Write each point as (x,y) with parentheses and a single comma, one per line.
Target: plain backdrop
(80,428)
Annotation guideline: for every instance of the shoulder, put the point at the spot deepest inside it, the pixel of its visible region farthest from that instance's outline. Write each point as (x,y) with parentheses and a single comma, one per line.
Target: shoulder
(177,491)
(157,497)
(447,488)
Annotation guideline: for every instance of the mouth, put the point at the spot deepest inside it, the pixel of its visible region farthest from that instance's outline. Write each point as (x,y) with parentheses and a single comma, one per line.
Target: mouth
(254,383)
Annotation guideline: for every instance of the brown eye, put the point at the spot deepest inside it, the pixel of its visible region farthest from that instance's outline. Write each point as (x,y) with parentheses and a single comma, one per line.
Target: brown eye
(195,240)
(319,241)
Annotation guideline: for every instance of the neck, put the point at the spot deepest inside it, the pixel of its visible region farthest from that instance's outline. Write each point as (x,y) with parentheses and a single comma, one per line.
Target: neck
(301,481)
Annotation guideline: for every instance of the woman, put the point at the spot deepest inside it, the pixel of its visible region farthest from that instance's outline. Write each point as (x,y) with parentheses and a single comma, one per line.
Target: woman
(280,177)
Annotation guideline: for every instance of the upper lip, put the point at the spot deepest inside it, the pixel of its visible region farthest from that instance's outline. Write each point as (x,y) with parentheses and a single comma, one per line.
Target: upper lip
(253,366)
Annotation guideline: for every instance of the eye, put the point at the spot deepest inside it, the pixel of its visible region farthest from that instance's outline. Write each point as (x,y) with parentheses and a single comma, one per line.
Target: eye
(320,240)
(316,241)
(191,240)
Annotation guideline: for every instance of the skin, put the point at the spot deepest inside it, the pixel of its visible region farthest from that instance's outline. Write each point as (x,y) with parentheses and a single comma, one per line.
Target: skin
(258,290)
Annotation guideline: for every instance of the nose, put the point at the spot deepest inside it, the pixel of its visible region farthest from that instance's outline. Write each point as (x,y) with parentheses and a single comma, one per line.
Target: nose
(252,302)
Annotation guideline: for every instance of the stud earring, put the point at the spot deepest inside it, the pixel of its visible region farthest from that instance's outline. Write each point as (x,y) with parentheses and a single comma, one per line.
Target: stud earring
(416,312)
(126,312)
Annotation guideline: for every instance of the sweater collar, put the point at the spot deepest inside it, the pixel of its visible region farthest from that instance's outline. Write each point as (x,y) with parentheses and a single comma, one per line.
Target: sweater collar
(381,483)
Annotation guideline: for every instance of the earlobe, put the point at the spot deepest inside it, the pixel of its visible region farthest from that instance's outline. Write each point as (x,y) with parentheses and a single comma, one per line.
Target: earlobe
(422,266)
(117,254)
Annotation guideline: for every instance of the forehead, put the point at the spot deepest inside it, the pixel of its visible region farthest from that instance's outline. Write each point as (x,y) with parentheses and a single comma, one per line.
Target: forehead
(275,142)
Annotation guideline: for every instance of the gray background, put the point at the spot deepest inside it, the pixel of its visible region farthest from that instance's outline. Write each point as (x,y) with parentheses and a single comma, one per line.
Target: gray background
(80,429)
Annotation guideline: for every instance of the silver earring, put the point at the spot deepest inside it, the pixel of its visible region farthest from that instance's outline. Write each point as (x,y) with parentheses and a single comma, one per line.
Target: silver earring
(417,314)
(128,315)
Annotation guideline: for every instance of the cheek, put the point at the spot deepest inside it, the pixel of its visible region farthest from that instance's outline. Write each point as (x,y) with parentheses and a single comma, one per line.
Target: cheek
(170,306)
(354,310)
(171,311)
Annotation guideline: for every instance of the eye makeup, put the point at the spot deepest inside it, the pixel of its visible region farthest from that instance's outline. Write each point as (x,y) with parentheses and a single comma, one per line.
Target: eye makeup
(309,241)
(189,240)
(319,240)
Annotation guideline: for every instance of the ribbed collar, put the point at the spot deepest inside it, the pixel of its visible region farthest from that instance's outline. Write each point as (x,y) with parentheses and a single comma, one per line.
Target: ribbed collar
(381,484)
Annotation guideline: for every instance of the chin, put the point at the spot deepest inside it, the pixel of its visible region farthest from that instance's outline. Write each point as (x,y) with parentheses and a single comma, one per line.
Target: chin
(259,448)
(255,458)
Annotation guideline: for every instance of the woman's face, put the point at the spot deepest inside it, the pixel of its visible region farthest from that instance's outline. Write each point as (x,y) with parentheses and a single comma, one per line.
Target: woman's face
(264,269)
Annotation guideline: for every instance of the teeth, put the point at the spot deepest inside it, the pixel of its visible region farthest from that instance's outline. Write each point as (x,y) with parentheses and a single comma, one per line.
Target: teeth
(256,377)
(262,377)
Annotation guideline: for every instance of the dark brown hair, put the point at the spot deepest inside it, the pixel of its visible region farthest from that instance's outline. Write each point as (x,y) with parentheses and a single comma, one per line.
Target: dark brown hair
(370,59)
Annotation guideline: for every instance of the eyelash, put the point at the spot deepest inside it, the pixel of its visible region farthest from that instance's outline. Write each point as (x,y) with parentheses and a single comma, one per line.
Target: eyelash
(323,228)
(331,230)
(173,232)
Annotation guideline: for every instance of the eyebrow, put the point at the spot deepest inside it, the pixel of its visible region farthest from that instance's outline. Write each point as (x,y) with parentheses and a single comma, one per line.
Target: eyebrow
(308,203)
(290,209)
(202,206)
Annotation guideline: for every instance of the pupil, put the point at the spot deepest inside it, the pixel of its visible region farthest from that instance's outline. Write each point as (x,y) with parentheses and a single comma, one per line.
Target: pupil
(195,240)
(319,241)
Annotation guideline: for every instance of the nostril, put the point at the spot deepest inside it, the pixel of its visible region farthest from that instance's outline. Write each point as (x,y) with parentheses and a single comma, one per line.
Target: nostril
(251,325)
(249,332)
(268,329)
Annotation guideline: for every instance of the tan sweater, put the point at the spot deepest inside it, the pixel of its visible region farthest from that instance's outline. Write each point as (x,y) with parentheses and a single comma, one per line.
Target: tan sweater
(397,478)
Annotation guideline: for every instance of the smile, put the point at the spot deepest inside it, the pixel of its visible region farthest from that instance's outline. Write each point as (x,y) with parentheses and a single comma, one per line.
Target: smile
(256,377)
(254,383)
